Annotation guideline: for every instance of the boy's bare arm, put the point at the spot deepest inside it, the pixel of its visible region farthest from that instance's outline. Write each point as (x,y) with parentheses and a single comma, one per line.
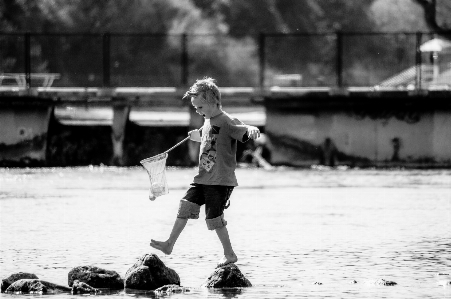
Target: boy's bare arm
(253,132)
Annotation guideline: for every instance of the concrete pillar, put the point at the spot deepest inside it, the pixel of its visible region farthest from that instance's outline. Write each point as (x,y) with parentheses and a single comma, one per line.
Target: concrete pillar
(121,112)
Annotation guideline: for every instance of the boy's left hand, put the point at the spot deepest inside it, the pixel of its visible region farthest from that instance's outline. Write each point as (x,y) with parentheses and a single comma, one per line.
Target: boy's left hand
(253,132)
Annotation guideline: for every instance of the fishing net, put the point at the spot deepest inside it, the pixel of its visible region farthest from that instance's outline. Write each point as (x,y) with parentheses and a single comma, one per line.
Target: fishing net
(156,169)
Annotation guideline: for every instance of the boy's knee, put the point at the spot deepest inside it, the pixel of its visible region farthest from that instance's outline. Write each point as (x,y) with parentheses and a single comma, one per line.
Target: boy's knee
(215,223)
(188,210)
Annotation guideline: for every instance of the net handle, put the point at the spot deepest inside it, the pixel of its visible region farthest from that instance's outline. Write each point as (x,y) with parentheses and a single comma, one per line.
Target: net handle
(188,137)
(176,145)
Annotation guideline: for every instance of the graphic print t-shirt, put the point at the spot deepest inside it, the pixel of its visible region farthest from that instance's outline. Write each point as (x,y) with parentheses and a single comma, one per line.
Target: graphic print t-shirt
(217,157)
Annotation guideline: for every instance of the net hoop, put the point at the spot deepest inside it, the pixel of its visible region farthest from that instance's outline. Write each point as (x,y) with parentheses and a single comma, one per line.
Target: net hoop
(154,159)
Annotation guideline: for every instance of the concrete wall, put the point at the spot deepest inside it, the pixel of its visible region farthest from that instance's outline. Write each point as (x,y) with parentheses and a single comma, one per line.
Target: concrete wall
(362,135)
(375,130)
(24,124)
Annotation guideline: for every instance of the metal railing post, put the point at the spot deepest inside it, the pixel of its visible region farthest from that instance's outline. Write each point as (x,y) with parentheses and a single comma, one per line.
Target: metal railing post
(262,58)
(27,53)
(339,58)
(184,59)
(418,61)
(106,59)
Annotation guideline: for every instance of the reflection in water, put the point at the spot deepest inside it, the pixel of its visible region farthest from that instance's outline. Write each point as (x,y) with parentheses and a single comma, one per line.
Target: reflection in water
(227,292)
(291,228)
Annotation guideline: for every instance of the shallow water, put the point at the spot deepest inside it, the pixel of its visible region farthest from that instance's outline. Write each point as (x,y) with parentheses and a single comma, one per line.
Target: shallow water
(290,228)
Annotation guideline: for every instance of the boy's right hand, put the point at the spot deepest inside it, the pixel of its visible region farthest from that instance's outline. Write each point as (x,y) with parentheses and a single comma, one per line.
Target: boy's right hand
(194,135)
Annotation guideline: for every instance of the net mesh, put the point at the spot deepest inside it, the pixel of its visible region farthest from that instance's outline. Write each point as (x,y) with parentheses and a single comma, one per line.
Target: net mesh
(156,169)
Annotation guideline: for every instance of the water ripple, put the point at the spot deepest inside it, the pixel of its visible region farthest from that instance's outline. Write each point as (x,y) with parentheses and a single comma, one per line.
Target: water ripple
(303,233)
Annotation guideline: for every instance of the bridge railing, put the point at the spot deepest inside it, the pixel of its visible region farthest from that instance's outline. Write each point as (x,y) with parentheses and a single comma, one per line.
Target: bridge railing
(322,60)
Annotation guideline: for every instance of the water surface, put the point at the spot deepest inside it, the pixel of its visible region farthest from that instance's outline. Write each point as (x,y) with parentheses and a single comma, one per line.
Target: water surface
(290,228)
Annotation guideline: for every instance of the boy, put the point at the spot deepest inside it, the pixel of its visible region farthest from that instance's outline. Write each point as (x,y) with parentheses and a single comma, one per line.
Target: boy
(216,178)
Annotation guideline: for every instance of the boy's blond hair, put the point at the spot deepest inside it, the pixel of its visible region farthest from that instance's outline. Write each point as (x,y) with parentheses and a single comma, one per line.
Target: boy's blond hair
(208,89)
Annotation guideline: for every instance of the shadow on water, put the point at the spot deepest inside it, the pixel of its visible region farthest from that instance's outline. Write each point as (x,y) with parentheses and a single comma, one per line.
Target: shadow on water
(217,293)
(137,293)
(228,292)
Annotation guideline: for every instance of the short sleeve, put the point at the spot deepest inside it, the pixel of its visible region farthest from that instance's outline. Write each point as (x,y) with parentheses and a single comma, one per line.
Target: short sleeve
(237,129)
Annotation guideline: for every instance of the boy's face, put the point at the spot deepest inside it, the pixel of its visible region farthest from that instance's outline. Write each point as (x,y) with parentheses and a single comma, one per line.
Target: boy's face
(205,109)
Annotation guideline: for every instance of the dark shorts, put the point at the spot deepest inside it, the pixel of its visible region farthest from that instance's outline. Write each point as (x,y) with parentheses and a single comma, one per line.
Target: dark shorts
(214,197)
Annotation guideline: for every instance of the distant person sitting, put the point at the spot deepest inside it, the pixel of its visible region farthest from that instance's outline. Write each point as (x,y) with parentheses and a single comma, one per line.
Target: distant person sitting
(258,153)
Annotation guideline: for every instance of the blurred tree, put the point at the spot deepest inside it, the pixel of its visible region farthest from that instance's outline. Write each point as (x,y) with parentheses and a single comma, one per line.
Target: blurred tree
(348,16)
(443,13)
(23,16)
(232,47)
(8,10)
(397,15)
(437,14)
(268,16)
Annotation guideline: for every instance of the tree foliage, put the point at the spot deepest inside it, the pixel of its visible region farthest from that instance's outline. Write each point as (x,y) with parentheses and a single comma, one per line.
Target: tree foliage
(437,14)
(232,28)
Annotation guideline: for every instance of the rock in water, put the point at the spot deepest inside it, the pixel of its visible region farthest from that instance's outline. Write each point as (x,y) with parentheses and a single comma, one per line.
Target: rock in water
(171,289)
(36,286)
(228,276)
(96,277)
(385,282)
(79,287)
(6,282)
(381,282)
(150,273)
(33,286)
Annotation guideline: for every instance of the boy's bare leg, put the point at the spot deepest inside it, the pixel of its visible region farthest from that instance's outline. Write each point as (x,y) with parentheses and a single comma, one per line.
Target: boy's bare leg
(167,246)
(229,254)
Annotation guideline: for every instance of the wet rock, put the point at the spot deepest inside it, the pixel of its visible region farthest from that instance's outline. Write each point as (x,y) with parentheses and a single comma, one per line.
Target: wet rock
(33,286)
(385,282)
(150,273)
(6,282)
(381,282)
(171,289)
(228,276)
(79,287)
(36,286)
(96,277)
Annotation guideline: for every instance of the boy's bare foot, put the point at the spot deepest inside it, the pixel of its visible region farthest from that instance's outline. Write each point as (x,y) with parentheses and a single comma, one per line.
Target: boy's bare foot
(227,259)
(164,247)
